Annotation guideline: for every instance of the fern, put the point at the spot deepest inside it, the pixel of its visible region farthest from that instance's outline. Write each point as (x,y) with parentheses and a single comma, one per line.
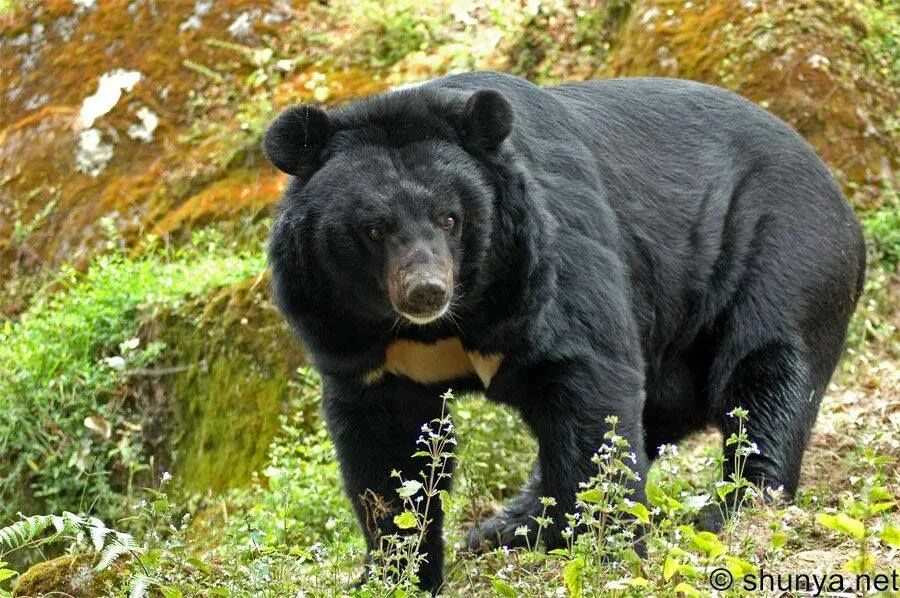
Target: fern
(120,544)
(67,524)
(22,532)
(140,583)
(110,543)
(99,531)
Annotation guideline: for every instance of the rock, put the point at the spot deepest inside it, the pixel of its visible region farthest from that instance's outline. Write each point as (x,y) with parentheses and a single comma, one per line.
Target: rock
(71,575)
(804,61)
(232,360)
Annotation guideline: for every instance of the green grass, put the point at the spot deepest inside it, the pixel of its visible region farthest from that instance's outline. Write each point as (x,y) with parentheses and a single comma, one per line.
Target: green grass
(71,439)
(293,530)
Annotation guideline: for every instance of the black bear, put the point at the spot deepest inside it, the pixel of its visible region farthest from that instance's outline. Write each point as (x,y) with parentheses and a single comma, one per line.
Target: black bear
(658,250)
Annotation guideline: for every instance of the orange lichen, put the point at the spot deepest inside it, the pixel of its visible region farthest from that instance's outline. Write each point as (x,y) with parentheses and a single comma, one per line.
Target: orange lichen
(198,167)
(799,59)
(342,85)
(241,191)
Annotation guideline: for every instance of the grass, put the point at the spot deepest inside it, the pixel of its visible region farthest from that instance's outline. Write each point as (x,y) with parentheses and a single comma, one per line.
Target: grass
(293,531)
(64,363)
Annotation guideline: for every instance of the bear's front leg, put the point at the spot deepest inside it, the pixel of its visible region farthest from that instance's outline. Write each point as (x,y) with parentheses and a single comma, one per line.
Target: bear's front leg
(374,429)
(567,408)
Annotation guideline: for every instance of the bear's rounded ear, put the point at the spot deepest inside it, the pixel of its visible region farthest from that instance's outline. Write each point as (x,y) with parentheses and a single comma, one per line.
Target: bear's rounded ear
(486,120)
(295,140)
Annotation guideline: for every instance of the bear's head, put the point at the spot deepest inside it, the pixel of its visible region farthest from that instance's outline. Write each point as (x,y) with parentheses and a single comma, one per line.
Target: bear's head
(389,211)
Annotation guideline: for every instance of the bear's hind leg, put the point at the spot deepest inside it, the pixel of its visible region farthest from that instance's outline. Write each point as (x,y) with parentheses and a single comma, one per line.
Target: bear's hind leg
(774,384)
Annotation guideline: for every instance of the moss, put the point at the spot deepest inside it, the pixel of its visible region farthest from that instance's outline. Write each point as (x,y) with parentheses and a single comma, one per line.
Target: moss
(242,191)
(567,39)
(228,415)
(233,359)
(805,61)
(71,575)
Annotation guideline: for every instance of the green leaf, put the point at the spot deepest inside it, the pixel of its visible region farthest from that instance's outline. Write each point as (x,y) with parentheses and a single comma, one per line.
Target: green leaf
(687,531)
(199,564)
(879,493)
(724,489)
(676,551)
(880,507)
(657,496)
(6,574)
(170,592)
(501,588)
(446,501)
(778,540)
(709,544)
(842,523)
(409,488)
(890,535)
(639,511)
(739,567)
(670,568)
(405,520)
(861,564)
(573,577)
(152,558)
(688,570)
(593,496)
(686,589)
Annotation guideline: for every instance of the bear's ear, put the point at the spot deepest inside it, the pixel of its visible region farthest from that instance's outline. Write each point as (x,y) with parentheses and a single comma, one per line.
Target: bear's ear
(295,140)
(486,120)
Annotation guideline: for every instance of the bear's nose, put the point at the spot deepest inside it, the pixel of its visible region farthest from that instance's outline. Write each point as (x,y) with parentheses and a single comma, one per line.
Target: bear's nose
(427,296)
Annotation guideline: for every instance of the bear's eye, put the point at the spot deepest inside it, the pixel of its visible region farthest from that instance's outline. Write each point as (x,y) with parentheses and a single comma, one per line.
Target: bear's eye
(448,222)
(375,232)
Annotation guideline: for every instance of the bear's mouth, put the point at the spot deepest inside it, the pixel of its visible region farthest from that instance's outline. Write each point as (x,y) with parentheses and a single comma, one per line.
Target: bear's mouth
(427,317)
(422,296)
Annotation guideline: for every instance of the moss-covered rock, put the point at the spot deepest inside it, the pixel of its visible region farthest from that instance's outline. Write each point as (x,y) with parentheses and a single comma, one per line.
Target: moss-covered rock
(823,66)
(68,575)
(208,76)
(227,377)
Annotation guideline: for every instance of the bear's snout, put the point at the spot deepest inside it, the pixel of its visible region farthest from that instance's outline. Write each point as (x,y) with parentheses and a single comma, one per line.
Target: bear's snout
(426,296)
(422,295)
(420,280)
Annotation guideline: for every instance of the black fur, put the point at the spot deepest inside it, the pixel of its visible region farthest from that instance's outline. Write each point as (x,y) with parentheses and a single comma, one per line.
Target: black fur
(654,249)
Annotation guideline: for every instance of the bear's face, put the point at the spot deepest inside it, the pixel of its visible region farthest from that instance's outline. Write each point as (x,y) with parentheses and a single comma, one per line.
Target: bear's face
(394,223)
